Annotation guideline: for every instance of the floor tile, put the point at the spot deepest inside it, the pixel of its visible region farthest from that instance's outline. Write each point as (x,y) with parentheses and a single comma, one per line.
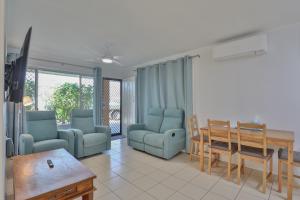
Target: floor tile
(101,190)
(213,196)
(144,183)
(161,192)
(247,196)
(115,183)
(187,173)
(131,175)
(144,196)
(226,189)
(174,183)
(179,196)
(109,196)
(205,181)
(193,191)
(127,192)
(158,175)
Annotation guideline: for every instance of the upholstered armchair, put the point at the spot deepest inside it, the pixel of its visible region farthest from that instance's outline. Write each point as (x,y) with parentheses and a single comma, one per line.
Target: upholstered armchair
(89,139)
(42,134)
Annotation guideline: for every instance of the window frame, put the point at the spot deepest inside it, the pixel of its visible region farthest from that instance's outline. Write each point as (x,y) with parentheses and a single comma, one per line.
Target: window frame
(80,76)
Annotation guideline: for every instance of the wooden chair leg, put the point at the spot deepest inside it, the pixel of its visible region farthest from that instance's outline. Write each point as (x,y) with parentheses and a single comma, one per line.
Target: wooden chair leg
(191,150)
(209,161)
(239,169)
(264,184)
(243,166)
(279,175)
(218,159)
(271,169)
(229,166)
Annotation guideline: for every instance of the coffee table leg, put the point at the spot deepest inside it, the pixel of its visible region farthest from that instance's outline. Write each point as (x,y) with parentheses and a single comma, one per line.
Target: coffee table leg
(89,196)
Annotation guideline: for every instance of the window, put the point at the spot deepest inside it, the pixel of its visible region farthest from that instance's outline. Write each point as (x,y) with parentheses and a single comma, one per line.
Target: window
(61,92)
(29,89)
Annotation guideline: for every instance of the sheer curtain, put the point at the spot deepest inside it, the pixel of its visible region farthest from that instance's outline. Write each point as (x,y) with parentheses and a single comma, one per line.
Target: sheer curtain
(165,85)
(98,96)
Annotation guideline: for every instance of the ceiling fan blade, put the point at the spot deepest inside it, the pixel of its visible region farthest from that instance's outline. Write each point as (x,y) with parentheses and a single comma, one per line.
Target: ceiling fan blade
(117,57)
(117,62)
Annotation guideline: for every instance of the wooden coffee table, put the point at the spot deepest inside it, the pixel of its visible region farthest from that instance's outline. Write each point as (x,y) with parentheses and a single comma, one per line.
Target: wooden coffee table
(68,179)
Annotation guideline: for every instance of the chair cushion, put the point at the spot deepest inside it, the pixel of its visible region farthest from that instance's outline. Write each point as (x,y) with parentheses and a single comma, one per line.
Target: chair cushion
(85,124)
(224,146)
(172,119)
(255,152)
(138,135)
(48,145)
(283,155)
(197,138)
(92,139)
(155,140)
(41,125)
(154,119)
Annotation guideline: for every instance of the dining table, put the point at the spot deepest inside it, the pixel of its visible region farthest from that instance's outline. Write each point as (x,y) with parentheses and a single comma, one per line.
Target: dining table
(275,138)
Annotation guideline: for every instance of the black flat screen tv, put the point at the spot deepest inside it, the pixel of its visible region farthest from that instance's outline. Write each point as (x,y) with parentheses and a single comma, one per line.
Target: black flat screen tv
(15,73)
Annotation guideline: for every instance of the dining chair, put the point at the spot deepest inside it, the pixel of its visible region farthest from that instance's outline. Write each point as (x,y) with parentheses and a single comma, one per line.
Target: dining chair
(219,139)
(282,159)
(195,136)
(252,145)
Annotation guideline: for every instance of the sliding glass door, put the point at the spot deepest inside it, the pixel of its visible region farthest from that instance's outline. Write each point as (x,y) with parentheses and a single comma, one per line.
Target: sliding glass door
(112,105)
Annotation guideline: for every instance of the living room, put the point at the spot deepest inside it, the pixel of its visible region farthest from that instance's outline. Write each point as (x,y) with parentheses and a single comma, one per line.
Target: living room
(150,100)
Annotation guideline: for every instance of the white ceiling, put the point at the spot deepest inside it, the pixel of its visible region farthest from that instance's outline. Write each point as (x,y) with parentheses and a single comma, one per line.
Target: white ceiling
(138,30)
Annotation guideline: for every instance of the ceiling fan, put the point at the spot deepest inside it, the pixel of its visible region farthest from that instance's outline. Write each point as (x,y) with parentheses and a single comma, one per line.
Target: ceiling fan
(107,57)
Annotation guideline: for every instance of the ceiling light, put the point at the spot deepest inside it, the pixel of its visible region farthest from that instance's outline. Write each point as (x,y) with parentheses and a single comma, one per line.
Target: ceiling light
(107,60)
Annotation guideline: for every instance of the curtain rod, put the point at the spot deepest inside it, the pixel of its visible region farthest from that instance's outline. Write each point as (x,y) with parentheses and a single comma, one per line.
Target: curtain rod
(194,56)
(61,63)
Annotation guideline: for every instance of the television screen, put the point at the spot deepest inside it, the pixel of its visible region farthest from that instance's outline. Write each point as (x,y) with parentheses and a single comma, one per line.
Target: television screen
(17,72)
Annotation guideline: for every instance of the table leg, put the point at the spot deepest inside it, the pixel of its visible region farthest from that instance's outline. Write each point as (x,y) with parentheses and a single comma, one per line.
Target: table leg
(290,172)
(88,196)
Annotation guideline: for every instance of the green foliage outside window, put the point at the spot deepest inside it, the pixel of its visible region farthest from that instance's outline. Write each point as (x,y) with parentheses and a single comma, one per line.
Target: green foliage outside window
(66,97)
(29,91)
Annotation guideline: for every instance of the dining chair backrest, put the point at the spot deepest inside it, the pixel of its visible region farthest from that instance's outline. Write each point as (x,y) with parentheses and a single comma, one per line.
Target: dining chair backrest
(252,135)
(219,131)
(193,126)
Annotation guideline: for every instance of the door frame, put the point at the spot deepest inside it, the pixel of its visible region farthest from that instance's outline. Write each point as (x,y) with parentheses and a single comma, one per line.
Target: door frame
(121,102)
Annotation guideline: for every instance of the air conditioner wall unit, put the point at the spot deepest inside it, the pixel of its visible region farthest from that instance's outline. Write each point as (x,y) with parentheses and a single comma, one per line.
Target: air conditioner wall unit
(251,46)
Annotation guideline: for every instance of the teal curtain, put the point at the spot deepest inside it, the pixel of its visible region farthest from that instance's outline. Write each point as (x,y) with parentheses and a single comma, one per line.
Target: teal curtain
(98,96)
(164,85)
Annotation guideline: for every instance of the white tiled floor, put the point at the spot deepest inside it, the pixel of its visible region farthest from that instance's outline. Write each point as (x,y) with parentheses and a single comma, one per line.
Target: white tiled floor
(127,174)
(124,173)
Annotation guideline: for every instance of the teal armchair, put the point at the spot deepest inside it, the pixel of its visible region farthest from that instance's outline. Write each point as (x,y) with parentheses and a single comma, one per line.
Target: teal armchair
(89,139)
(162,134)
(42,134)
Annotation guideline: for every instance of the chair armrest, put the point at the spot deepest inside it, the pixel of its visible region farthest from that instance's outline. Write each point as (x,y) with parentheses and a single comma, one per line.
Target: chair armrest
(107,130)
(102,129)
(26,144)
(133,127)
(78,148)
(174,134)
(69,136)
(174,142)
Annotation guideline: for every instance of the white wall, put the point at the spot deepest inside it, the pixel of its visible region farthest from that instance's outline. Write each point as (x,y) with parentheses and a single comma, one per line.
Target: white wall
(2,134)
(265,88)
(128,103)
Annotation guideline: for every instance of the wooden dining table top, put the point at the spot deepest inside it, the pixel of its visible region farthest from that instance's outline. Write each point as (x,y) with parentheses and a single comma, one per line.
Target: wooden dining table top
(272,134)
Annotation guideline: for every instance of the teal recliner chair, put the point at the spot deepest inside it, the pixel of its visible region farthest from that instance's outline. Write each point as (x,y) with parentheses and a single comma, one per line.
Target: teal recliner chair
(89,139)
(42,134)
(162,134)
